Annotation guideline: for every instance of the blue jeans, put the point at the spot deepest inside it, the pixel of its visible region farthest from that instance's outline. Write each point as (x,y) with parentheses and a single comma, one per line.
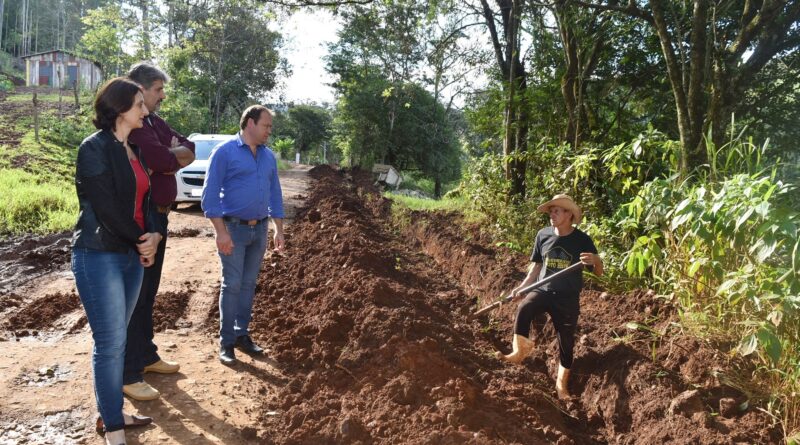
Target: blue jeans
(108,284)
(239,273)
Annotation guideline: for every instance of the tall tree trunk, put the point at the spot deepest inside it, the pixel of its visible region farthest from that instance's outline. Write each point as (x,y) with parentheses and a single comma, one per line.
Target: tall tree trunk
(24,50)
(2,16)
(676,82)
(143,5)
(515,118)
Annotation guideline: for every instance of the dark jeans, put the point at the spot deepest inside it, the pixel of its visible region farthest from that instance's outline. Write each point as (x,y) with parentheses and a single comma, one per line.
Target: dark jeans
(140,350)
(563,311)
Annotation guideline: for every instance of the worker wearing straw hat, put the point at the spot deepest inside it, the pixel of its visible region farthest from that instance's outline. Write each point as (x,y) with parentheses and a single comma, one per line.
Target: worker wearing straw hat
(557,247)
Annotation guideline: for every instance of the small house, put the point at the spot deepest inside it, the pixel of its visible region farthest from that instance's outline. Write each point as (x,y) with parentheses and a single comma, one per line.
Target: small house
(61,69)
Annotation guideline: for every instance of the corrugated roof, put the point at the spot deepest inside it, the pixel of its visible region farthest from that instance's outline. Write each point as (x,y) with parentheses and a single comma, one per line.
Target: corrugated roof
(61,51)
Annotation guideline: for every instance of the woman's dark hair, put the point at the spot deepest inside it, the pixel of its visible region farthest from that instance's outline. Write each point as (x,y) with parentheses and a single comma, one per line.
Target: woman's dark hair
(114,98)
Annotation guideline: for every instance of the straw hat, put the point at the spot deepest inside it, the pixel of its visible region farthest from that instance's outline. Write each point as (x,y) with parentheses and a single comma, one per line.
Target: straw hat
(565,202)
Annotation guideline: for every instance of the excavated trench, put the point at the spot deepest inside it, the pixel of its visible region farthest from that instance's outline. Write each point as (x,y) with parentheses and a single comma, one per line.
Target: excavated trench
(368,323)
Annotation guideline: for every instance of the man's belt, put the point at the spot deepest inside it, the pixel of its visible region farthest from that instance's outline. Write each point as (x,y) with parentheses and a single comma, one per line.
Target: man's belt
(246,222)
(163,209)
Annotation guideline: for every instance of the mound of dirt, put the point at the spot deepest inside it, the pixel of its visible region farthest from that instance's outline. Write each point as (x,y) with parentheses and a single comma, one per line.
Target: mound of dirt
(376,342)
(42,313)
(170,307)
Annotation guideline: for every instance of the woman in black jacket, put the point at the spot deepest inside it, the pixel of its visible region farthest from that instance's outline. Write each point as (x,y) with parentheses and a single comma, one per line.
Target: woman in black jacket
(114,239)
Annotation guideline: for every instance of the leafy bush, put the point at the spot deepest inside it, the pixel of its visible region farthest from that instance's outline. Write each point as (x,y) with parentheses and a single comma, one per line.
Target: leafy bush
(5,83)
(285,147)
(725,242)
(184,114)
(727,247)
(69,131)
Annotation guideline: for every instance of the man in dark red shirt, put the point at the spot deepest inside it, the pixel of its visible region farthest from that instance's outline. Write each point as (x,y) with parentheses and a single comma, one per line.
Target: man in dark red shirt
(165,151)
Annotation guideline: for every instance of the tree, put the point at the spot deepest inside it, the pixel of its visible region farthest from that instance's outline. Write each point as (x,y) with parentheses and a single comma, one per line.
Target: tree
(309,126)
(106,31)
(508,58)
(384,54)
(713,53)
(225,54)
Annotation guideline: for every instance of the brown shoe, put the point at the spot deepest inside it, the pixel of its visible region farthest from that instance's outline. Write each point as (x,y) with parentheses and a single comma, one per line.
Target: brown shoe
(136,421)
(163,367)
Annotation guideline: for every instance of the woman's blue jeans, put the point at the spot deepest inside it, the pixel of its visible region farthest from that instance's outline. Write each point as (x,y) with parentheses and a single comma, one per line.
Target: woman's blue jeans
(108,284)
(239,273)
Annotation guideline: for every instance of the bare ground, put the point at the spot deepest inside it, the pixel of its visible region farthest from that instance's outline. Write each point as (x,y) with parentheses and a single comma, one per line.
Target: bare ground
(46,394)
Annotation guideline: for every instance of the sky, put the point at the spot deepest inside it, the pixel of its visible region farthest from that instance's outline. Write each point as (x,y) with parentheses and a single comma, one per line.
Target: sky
(306,34)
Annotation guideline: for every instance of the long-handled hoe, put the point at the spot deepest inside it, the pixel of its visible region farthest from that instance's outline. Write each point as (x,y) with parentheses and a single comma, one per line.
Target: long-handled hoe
(529,288)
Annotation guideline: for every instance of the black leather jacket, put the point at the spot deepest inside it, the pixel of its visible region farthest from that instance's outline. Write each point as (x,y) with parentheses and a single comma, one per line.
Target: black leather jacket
(106,187)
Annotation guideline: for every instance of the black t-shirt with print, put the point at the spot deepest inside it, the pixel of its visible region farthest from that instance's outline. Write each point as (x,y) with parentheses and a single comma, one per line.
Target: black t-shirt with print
(559,252)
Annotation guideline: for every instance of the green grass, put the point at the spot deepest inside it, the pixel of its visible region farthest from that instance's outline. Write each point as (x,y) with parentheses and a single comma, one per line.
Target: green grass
(284,165)
(429,205)
(32,204)
(28,97)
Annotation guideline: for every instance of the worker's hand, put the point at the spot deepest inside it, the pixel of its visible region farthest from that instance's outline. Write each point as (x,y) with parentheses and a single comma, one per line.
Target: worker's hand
(174,142)
(516,296)
(224,243)
(589,259)
(280,243)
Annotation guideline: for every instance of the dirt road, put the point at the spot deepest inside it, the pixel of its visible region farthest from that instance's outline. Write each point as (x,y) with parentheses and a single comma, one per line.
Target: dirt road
(46,394)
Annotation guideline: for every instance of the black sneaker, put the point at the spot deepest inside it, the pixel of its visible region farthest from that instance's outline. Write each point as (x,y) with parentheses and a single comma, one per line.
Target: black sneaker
(226,355)
(245,343)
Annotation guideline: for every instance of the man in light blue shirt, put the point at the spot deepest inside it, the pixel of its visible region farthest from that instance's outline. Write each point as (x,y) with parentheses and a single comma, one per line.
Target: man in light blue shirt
(241,191)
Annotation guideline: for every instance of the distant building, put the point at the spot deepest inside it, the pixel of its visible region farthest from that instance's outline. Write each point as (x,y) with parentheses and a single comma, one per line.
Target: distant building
(59,69)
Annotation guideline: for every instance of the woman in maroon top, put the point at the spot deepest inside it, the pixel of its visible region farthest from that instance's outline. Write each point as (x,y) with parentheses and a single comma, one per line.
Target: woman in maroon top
(114,239)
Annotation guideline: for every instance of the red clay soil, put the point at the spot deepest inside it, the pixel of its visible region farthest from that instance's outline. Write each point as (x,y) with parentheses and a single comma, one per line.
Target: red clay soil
(169,308)
(377,346)
(41,313)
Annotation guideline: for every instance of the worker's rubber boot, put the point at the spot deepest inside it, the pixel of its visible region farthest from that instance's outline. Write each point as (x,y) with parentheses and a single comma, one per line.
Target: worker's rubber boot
(523,347)
(562,383)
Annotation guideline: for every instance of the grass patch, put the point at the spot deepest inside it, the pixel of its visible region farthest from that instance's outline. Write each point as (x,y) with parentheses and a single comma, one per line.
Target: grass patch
(283,165)
(429,205)
(50,162)
(49,97)
(33,204)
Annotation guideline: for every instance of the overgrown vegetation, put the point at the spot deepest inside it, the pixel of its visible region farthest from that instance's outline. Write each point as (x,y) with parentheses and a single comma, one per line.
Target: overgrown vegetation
(32,204)
(722,243)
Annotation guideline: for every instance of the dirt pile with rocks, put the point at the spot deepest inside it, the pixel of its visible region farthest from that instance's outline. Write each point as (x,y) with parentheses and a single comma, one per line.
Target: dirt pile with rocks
(378,348)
